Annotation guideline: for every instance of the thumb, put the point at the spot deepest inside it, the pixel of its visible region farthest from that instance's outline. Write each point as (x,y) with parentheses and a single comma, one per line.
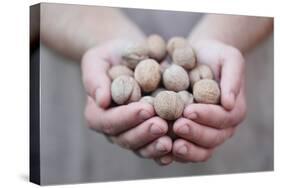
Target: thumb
(232,75)
(95,78)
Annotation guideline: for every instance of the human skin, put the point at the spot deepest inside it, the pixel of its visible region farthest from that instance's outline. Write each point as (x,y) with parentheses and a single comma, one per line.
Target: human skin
(218,41)
(138,129)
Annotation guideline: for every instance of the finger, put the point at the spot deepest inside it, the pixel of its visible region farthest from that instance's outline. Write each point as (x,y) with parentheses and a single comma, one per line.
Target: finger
(208,114)
(232,73)
(201,135)
(95,78)
(216,116)
(118,119)
(164,160)
(186,151)
(158,148)
(143,134)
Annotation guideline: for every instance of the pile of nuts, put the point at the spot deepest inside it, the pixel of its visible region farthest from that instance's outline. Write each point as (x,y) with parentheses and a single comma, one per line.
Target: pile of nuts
(168,87)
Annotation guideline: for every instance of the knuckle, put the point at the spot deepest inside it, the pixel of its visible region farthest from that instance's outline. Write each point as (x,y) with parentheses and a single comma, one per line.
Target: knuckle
(87,56)
(225,122)
(197,134)
(124,143)
(231,134)
(206,156)
(240,116)
(219,138)
(236,53)
(108,128)
(88,84)
(243,110)
(87,117)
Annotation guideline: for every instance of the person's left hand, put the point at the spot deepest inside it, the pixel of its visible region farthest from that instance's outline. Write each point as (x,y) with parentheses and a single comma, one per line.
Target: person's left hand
(203,127)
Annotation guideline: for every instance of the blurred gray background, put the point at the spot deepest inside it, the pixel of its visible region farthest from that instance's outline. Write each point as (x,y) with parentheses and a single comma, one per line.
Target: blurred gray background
(71,153)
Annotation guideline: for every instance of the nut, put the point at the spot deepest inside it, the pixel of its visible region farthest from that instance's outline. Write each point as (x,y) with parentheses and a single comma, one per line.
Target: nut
(156,47)
(119,70)
(125,89)
(175,78)
(206,91)
(186,97)
(147,74)
(164,65)
(147,99)
(168,105)
(158,90)
(134,53)
(184,57)
(175,42)
(201,71)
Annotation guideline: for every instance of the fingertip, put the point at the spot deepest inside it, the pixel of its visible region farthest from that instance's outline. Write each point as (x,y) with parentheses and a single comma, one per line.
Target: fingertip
(102,98)
(178,124)
(177,145)
(190,112)
(144,110)
(228,101)
(166,160)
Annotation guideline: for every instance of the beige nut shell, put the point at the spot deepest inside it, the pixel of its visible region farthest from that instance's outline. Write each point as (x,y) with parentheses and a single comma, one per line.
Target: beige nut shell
(147,74)
(158,90)
(184,57)
(156,47)
(119,70)
(175,42)
(186,97)
(124,89)
(134,53)
(201,71)
(175,78)
(147,99)
(206,91)
(168,105)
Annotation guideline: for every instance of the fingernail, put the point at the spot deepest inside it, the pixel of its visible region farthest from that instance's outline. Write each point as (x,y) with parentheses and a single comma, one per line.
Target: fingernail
(160,147)
(182,150)
(156,130)
(192,115)
(145,114)
(166,159)
(184,129)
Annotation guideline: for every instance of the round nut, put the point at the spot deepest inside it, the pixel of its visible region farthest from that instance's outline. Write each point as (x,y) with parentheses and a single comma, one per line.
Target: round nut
(124,89)
(184,57)
(186,97)
(158,90)
(164,65)
(156,47)
(147,74)
(206,91)
(119,70)
(147,99)
(175,42)
(134,53)
(201,71)
(168,105)
(175,78)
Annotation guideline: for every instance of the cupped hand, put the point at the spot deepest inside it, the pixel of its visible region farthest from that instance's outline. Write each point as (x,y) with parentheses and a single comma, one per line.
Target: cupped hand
(133,126)
(203,127)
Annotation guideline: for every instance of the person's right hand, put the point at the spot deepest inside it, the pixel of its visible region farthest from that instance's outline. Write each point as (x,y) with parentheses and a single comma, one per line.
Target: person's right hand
(133,126)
